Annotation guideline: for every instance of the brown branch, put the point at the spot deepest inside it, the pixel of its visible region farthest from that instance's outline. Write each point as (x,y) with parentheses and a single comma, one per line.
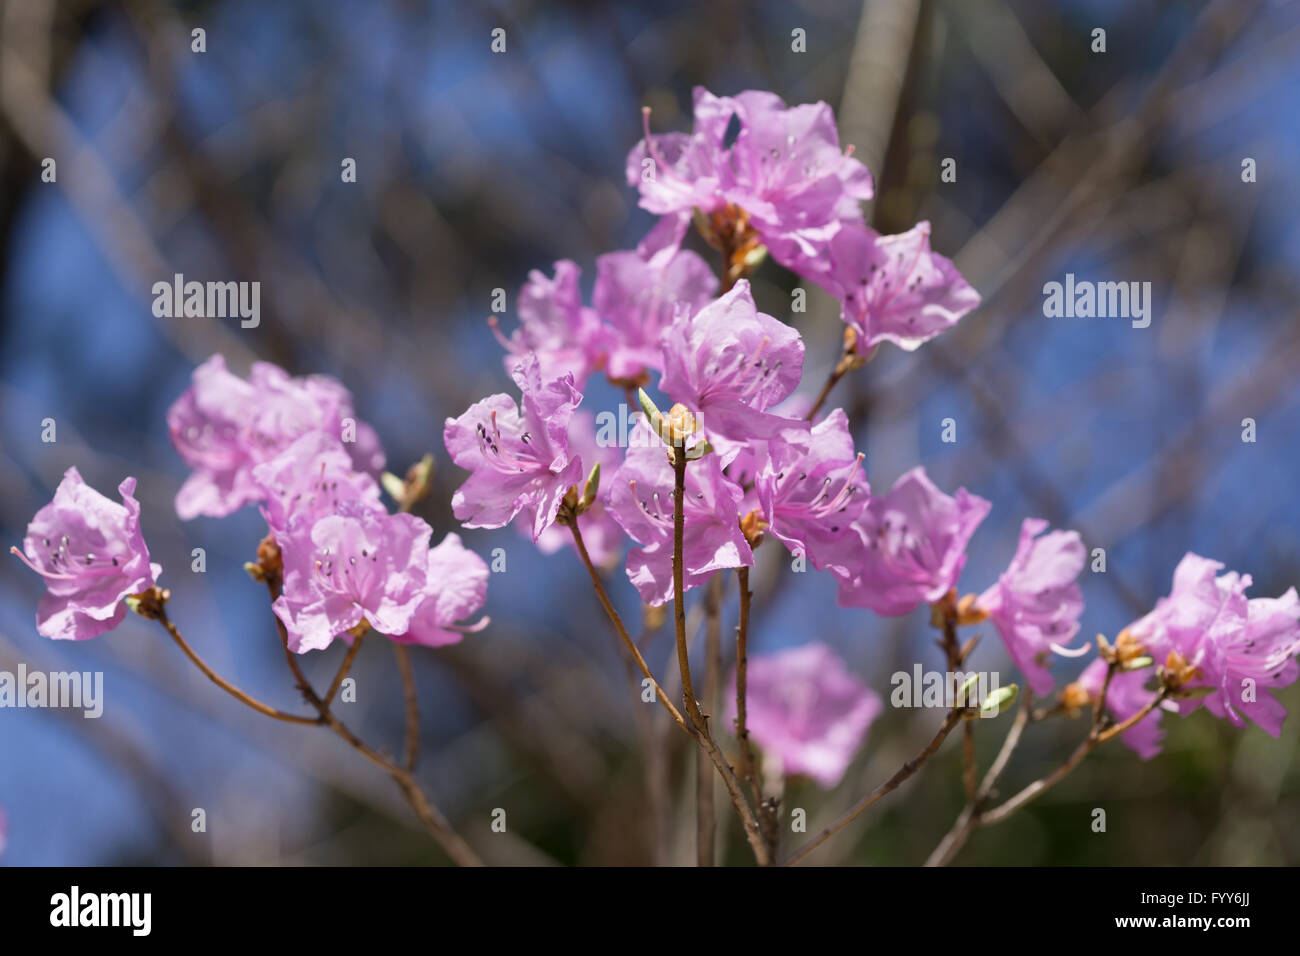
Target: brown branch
(412,701)
(954,717)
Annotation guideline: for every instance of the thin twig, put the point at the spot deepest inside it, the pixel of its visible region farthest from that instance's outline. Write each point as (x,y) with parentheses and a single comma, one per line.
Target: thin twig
(343,670)
(912,766)
(706,824)
(224,684)
(704,739)
(412,702)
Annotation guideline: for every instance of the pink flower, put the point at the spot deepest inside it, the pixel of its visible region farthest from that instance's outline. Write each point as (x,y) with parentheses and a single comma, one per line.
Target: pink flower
(807,711)
(811,495)
(1036,602)
(312,477)
(457,588)
(638,298)
(518,456)
(785,169)
(640,499)
(1125,697)
(893,288)
(600,532)
(913,546)
(223,427)
(729,363)
(353,566)
(92,555)
(1239,645)
(565,335)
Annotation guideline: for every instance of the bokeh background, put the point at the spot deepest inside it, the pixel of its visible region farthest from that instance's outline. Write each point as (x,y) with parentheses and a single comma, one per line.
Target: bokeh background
(475,167)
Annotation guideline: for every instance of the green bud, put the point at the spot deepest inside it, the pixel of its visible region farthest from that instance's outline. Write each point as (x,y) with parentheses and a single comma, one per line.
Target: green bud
(652,413)
(1000,698)
(590,489)
(1137,663)
(395,486)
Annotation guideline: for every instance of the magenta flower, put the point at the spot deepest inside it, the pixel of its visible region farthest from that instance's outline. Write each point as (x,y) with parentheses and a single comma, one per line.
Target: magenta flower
(457,588)
(811,495)
(353,566)
(1036,603)
(1240,646)
(729,363)
(223,427)
(312,477)
(640,499)
(638,298)
(92,555)
(913,546)
(893,288)
(807,712)
(565,335)
(784,169)
(518,456)
(1127,695)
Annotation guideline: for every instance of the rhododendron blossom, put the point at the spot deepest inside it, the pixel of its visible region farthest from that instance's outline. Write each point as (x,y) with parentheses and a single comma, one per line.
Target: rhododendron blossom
(811,495)
(640,499)
(602,535)
(224,426)
(1239,646)
(894,289)
(784,169)
(554,326)
(730,363)
(312,477)
(518,456)
(354,566)
(456,588)
(912,546)
(638,298)
(807,712)
(1036,603)
(91,552)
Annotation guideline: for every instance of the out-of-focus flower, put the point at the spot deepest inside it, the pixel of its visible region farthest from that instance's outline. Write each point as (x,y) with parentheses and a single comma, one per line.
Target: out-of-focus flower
(781,167)
(354,566)
(565,335)
(518,456)
(457,588)
(312,477)
(913,546)
(810,495)
(1238,646)
(640,499)
(729,363)
(807,711)
(92,555)
(637,298)
(1126,696)
(223,427)
(893,288)
(1036,602)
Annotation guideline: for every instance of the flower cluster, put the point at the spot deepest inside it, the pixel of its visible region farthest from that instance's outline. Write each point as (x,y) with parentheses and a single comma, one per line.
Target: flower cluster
(698,489)
(758,179)
(294,446)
